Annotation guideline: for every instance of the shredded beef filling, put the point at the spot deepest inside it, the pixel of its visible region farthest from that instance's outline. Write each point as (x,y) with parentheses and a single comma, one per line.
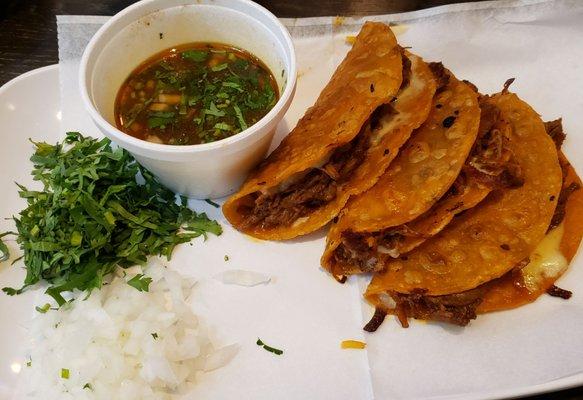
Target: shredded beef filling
(458,308)
(319,185)
(315,189)
(555,131)
(406,71)
(560,210)
(441,75)
(491,161)
(362,250)
(355,251)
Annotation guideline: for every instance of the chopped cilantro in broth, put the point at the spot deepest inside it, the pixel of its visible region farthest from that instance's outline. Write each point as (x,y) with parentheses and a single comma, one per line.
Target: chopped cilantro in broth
(196,93)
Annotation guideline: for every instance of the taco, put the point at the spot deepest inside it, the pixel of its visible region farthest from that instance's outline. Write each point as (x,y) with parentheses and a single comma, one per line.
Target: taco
(447,277)
(375,99)
(422,173)
(551,257)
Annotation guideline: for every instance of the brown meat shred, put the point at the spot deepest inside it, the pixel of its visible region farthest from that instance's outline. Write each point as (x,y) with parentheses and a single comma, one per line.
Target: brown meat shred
(355,250)
(458,309)
(507,84)
(406,70)
(376,320)
(441,75)
(555,131)
(316,188)
(556,291)
(361,250)
(560,210)
(491,161)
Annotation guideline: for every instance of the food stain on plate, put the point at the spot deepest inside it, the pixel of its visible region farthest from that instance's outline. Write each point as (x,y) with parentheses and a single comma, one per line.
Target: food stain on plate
(338,21)
(352,344)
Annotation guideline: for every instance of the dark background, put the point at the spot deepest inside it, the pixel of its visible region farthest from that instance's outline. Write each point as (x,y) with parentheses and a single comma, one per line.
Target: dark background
(28,40)
(28,31)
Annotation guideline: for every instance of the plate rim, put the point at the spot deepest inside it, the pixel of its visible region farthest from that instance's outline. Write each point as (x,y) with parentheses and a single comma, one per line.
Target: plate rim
(26,75)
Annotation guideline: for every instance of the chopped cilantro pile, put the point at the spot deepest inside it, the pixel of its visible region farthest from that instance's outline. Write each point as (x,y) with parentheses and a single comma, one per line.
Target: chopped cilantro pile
(93,215)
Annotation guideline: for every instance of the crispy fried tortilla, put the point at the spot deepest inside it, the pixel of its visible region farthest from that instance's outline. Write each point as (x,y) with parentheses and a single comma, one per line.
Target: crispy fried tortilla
(489,166)
(446,278)
(343,143)
(464,194)
(551,257)
(422,173)
(526,282)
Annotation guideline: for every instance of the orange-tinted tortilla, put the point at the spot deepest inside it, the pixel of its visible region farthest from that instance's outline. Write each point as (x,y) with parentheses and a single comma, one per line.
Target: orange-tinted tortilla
(334,120)
(369,77)
(489,240)
(510,291)
(421,174)
(487,168)
(441,214)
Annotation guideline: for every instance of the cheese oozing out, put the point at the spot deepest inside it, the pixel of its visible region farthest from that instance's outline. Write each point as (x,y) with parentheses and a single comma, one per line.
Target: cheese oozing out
(546,261)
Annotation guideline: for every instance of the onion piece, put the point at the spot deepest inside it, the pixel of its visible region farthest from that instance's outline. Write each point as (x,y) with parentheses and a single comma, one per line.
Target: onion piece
(243,277)
(220,357)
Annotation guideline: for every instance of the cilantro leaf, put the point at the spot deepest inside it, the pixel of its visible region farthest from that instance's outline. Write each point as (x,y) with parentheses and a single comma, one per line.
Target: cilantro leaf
(140,282)
(269,348)
(43,309)
(223,126)
(195,55)
(160,119)
(233,85)
(163,114)
(240,118)
(219,67)
(11,291)
(4,252)
(213,110)
(202,224)
(212,203)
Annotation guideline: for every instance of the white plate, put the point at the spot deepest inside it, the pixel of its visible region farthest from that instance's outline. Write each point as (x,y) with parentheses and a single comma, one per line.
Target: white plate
(303,310)
(29,108)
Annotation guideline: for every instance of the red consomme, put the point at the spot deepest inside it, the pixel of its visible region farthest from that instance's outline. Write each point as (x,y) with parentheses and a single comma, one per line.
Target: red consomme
(195,93)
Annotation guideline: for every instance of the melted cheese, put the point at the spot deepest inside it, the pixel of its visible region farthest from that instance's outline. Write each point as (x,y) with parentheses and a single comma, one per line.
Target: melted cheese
(546,261)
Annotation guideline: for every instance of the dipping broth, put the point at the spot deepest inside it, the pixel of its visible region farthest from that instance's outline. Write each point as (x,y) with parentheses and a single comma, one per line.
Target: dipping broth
(195,93)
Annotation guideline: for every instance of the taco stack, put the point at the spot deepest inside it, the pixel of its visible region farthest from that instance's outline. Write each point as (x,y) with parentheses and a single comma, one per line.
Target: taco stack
(486,259)
(457,203)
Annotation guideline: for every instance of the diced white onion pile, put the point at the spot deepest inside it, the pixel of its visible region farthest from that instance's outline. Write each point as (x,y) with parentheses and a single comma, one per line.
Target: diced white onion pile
(122,344)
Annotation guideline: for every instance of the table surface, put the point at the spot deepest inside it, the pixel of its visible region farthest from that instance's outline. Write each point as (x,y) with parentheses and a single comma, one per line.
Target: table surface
(28,40)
